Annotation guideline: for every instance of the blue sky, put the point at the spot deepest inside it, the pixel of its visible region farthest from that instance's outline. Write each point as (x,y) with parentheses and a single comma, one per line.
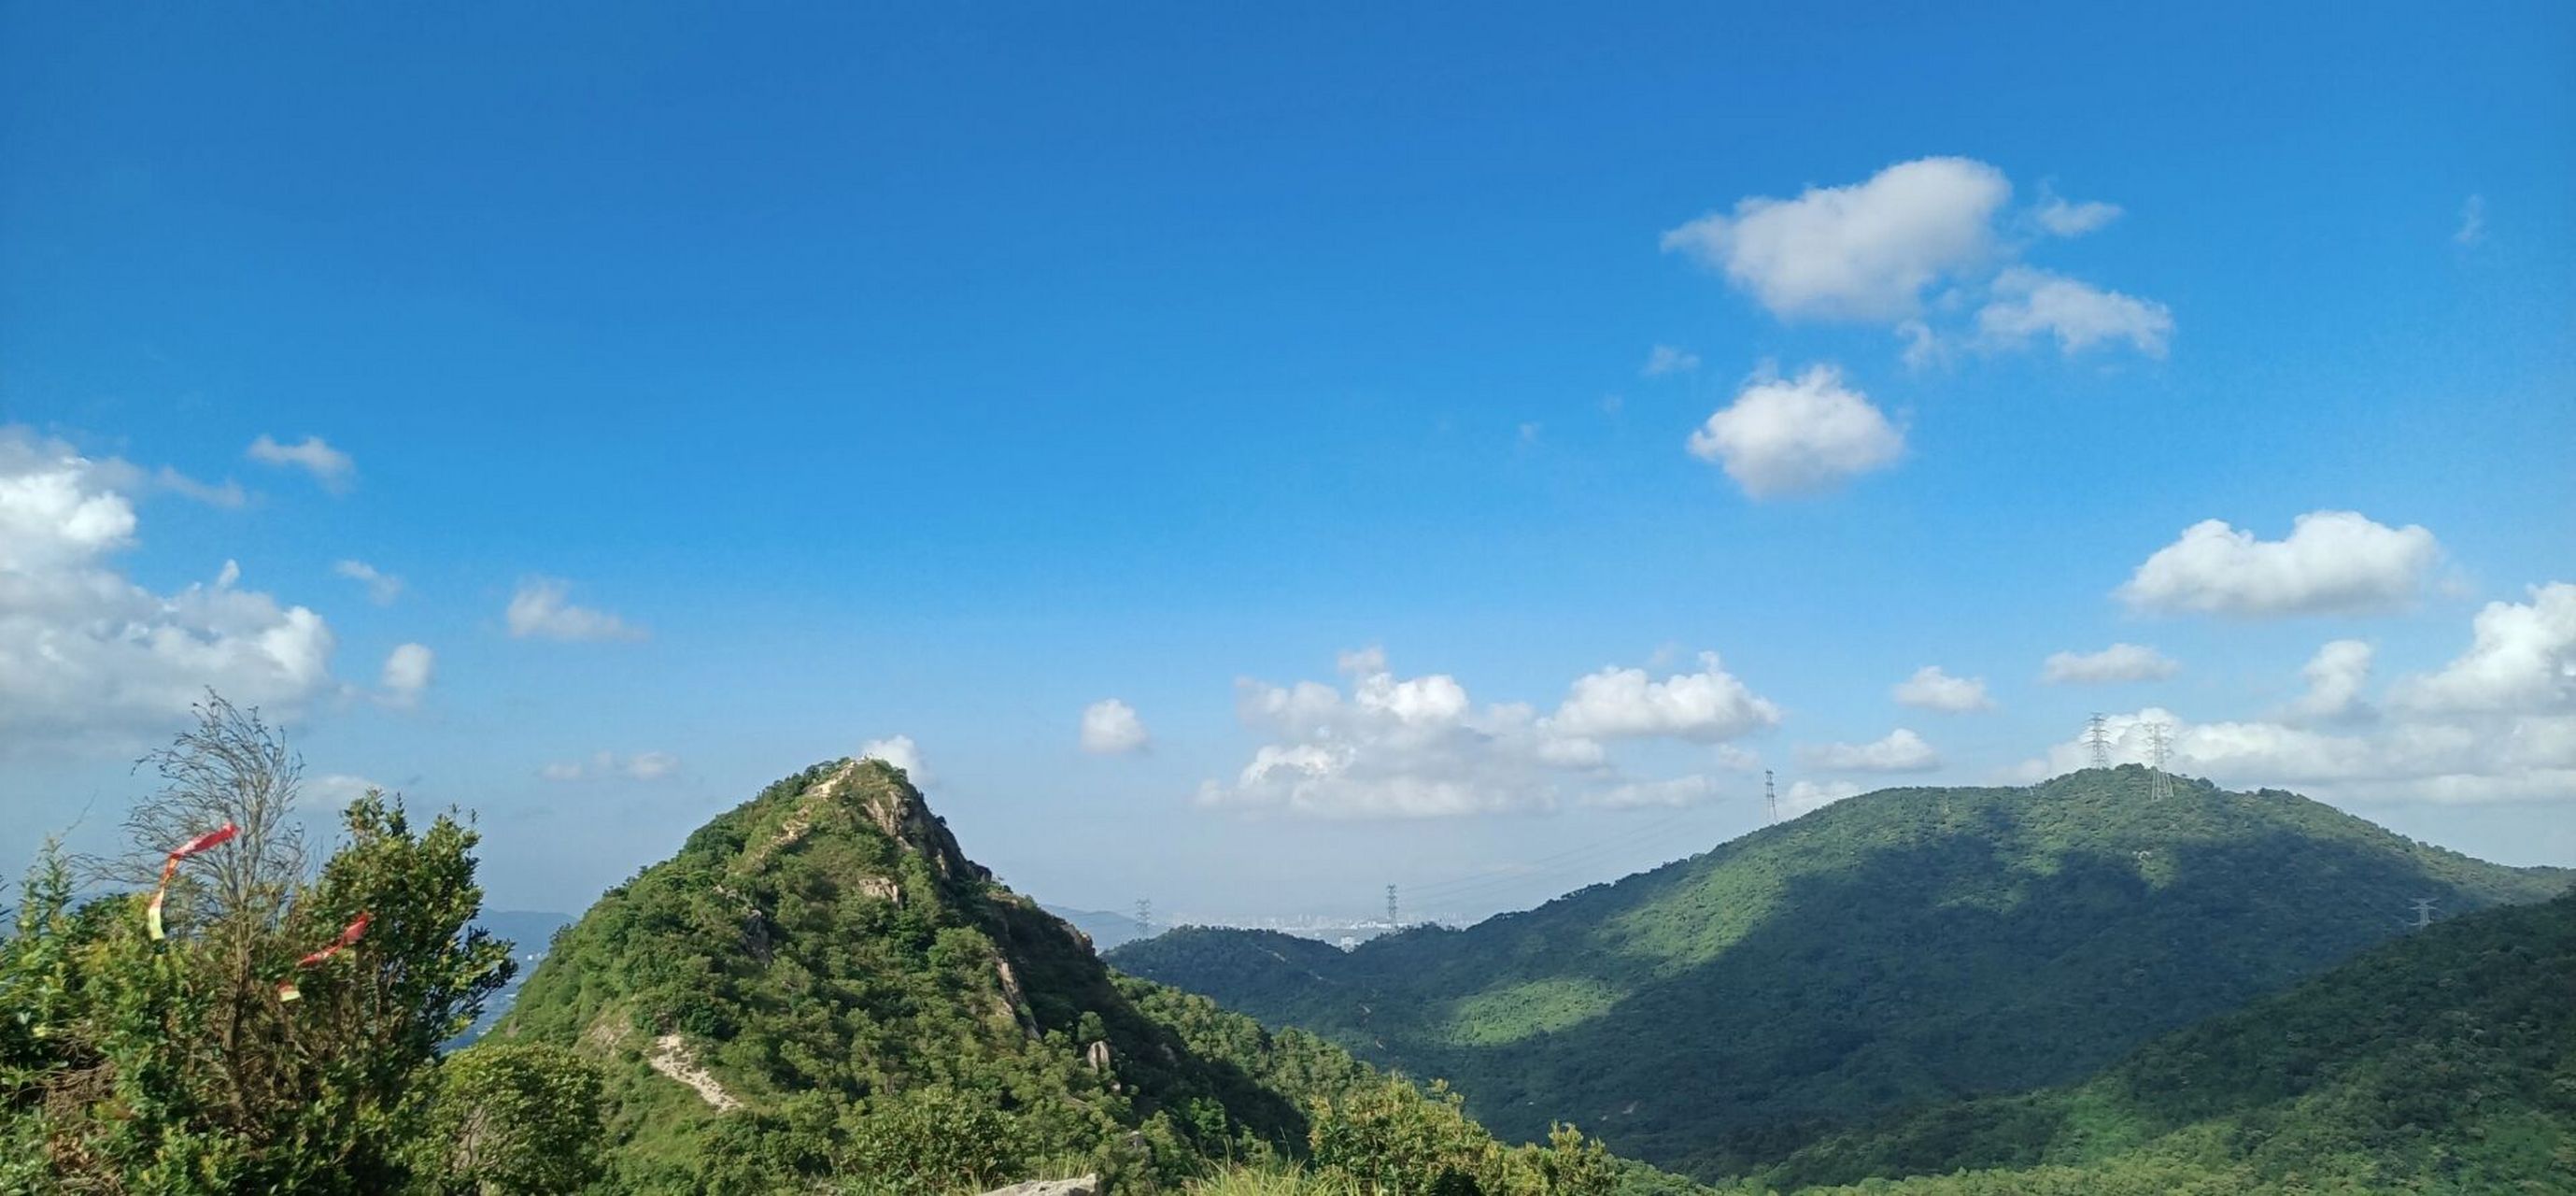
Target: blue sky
(938,375)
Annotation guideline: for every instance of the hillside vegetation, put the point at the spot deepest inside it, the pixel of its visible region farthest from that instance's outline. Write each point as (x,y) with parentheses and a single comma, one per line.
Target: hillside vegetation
(1898,949)
(821,992)
(2445,1062)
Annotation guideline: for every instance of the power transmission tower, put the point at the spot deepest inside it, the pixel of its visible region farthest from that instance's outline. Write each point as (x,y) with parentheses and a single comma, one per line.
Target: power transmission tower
(2159,750)
(2423,912)
(1145,915)
(1391,923)
(2097,736)
(1770,796)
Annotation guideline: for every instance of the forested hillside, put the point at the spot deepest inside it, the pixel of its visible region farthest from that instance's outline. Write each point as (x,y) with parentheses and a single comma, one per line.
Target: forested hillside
(1897,949)
(2444,1062)
(820,989)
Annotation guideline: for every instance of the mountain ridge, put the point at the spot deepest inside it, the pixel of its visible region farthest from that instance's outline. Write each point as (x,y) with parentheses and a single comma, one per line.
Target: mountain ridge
(1904,947)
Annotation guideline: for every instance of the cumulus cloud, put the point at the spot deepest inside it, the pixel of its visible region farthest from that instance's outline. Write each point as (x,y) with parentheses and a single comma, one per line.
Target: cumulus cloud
(1900,751)
(2332,562)
(1862,252)
(2029,303)
(406,674)
(1932,689)
(610,766)
(1797,436)
(1807,797)
(2063,219)
(2119,662)
(1110,728)
(539,610)
(2521,657)
(314,455)
(2336,676)
(1709,706)
(1913,248)
(88,659)
(1409,747)
(900,751)
(2498,723)
(1665,359)
(382,587)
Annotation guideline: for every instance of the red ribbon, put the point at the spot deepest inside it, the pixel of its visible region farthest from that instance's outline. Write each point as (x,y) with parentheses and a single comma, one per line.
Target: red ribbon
(286,990)
(170,868)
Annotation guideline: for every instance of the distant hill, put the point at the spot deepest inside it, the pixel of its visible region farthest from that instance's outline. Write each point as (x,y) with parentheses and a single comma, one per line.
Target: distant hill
(1897,949)
(1105,930)
(2442,1062)
(821,989)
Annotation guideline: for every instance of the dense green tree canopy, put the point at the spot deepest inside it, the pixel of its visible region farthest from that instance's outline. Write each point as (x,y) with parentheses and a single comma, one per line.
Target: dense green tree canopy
(1892,950)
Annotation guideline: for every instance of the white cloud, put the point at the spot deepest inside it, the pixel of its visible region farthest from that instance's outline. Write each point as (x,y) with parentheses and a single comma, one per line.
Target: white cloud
(407,673)
(382,587)
(135,480)
(605,766)
(2063,219)
(2473,221)
(1918,245)
(2079,315)
(1392,747)
(1665,359)
(1931,689)
(1807,797)
(1900,751)
(2336,676)
(340,788)
(2119,662)
(900,751)
(1709,706)
(1110,728)
(2333,562)
(329,466)
(538,611)
(2521,658)
(1788,437)
(88,659)
(2496,724)
(1861,252)
(2522,758)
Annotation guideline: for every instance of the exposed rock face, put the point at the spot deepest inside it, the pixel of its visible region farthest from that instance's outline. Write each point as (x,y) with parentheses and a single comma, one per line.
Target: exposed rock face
(1097,1055)
(672,1057)
(1085,1185)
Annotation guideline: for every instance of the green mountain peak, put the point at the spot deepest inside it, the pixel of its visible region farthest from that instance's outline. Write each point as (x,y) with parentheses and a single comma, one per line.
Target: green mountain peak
(1897,948)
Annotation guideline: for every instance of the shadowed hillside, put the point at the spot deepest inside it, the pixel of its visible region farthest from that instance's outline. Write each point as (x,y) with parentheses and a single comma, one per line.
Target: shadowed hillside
(2445,1061)
(1896,949)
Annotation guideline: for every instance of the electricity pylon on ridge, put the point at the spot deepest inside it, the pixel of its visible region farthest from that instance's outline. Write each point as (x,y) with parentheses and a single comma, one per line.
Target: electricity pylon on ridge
(1770,796)
(2423,912)
(2159,750)
(2097,737)
(1145,915)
